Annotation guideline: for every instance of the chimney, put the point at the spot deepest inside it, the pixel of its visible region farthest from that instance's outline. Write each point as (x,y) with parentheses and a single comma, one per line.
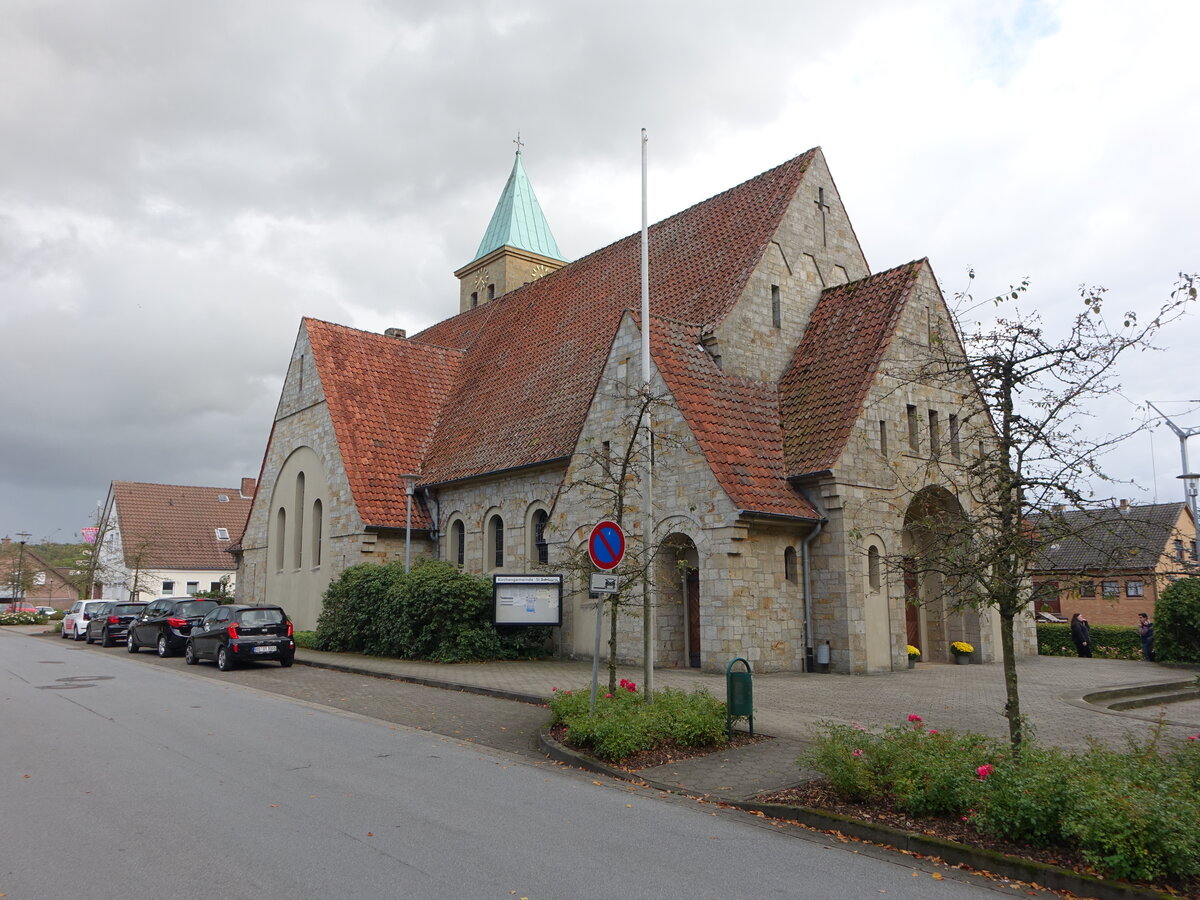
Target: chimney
(248,486)
(396,333)
(1124,506)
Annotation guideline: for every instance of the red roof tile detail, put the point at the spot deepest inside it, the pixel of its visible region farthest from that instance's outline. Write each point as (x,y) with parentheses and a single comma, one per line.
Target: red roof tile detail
(169,526)
(384,395)
(536,354)
(735,421)
(822,392)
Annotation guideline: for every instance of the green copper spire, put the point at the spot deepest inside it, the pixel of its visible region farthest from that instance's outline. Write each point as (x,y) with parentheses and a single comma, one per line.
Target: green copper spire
(518,220)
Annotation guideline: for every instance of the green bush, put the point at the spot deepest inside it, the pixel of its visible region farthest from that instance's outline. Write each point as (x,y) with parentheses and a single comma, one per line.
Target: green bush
(1132,814)
(305,639)
(1108,641)
(624,724)
(1177,622)
(435,612)
(21,618)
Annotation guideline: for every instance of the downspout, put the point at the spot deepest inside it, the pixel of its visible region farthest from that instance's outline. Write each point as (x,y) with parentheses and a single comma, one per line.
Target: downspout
(809,664)
(431,501)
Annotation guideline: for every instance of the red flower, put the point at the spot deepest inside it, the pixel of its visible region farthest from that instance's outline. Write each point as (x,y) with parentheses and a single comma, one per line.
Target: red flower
(608,696)
(913,717)
(984,771)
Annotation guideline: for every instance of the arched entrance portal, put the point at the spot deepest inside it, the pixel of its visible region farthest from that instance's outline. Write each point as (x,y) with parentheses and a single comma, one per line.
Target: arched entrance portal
(934,612)
(678,615)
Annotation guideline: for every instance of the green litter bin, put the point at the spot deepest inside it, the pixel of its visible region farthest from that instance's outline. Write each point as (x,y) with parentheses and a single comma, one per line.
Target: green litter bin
(739,695)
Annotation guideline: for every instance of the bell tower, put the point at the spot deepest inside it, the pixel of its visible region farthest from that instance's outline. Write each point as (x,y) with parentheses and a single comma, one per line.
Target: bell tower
(518,246)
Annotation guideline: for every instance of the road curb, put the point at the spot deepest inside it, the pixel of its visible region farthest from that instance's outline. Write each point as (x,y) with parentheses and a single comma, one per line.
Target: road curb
(950,852)
(499,693)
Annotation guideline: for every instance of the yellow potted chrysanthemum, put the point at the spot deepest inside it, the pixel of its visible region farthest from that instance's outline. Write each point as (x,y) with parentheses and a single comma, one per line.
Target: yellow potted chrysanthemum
(962,652)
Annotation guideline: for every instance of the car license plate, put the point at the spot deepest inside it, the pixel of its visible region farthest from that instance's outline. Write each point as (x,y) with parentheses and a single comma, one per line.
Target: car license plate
(264,649)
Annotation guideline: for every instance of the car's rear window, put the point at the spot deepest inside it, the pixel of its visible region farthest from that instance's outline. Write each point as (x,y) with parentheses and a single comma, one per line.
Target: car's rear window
(189,608)
(126,609)
(261,617)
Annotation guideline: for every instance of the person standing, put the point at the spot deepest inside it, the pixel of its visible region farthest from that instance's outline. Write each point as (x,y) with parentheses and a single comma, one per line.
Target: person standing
(1081,635)
(1146,633)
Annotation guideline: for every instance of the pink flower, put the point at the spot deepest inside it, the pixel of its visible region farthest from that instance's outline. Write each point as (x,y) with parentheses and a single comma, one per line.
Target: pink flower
(933,731)
(1194,737)
(856,753)
(913,717)
(553,689)
(608,696)
(984,771)
(858,727)
(568,693)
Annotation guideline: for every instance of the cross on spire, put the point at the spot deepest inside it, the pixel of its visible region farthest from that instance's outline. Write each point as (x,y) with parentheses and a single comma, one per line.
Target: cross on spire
(518,142)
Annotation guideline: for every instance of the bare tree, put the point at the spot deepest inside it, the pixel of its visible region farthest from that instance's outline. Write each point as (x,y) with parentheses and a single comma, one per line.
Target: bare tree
(1032,455)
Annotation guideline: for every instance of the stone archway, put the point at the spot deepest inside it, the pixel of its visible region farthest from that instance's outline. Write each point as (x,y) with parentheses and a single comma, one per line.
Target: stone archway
(932,522)
(677,617)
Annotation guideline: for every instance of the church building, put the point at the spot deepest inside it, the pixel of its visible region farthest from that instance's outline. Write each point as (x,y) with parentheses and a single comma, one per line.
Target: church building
(790,445)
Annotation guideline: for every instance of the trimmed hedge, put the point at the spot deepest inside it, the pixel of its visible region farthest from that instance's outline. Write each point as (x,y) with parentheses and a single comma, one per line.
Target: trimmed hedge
(1177,623)
(435,612)
(1108,641)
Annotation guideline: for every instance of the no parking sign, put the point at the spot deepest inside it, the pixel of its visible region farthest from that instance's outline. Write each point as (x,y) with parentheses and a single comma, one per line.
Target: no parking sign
(606,545)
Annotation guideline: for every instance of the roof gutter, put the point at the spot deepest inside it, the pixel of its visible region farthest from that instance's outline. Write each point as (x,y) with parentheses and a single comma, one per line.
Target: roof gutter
(496,473)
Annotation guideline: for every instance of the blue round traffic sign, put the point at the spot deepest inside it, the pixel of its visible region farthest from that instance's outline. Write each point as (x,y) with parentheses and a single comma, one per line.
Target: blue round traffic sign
(606,545)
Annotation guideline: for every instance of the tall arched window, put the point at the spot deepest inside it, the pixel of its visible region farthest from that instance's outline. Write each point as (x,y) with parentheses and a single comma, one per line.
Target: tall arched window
(789,565)
(495,542)
(280,537)
(317,529)
(458,542)
(874,578)
(540,549)
(298,537)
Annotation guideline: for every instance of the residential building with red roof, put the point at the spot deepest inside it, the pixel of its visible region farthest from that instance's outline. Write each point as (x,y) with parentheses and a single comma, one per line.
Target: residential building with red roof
(789,440)
(159,540)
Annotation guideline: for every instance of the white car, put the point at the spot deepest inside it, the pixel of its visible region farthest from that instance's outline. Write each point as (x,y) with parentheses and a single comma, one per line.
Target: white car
(74,624)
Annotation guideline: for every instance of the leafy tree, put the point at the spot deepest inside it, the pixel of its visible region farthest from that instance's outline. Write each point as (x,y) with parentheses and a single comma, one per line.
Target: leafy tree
(1177,622)
(1033,454)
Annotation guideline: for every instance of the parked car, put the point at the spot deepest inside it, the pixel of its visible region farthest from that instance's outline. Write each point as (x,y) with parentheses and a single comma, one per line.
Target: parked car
(233,634)
(46,610)
(111,624)
(75,621)
(166,623)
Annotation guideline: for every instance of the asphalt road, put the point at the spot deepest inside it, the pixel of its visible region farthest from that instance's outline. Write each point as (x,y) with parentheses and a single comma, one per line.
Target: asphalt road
(135,777)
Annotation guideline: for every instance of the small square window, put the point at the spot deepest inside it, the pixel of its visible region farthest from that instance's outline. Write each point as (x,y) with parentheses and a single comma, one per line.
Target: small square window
(1110,588)
(214,586)
(222,534)
(168,588)
(1087,589)
(222,498)
(1135,589)
(193,587)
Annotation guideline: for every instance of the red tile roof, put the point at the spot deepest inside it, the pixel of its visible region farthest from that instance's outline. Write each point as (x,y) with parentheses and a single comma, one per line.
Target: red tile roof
(169,526)
(536,354)
(822,392)
(735,420)
(385,395)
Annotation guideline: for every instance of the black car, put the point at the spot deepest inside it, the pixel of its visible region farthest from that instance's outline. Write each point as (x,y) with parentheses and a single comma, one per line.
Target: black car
(231,634)
(166,623)
(110,623)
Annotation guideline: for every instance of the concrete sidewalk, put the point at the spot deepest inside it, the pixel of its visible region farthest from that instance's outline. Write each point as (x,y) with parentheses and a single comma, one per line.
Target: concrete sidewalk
(788,706)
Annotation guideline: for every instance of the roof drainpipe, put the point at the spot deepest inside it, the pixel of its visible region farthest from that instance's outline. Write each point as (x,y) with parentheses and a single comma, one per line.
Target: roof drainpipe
(809,663)
(432,503)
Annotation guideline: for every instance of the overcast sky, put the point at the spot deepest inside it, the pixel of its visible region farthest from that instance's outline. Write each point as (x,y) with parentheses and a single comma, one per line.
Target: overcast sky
(181,182)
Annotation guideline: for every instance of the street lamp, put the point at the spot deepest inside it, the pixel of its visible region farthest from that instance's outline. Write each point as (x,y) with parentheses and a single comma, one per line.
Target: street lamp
(19,593)
(410,485)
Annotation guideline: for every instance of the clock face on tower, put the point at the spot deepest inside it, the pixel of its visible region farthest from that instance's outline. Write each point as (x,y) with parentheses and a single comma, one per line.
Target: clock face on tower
(482,280)
(539,270)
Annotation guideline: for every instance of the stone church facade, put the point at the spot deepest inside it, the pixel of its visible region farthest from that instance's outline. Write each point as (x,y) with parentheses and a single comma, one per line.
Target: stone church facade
(790,446)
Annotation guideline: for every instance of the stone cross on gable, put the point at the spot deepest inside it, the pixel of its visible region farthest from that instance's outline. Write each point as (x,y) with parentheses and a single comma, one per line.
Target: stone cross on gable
(824,208)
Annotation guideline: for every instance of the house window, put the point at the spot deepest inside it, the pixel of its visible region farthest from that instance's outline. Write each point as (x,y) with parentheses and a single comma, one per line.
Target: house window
(883,438)
(280,533)
(39,578)
(789,565)
(298,537)
(1046,597)
(214,586)
(776,308)
(222,498)
(1193,551)
(168,588)
(1135,589)
(935,434)
(914,432)
(1110,588)
(222,534)
(541,549)
(1087,589)
(495,532)
(318,530)
(1179,549)
(955,450)
(874,577)
(474,299)
(458,535)
(193,587)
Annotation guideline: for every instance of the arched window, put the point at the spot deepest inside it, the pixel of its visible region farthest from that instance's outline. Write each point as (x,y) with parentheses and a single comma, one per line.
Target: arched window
(873,574)
(317,529)
(280,537)
(495,542)
(789,565)
(298,537)
(458,542)
(540,550)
